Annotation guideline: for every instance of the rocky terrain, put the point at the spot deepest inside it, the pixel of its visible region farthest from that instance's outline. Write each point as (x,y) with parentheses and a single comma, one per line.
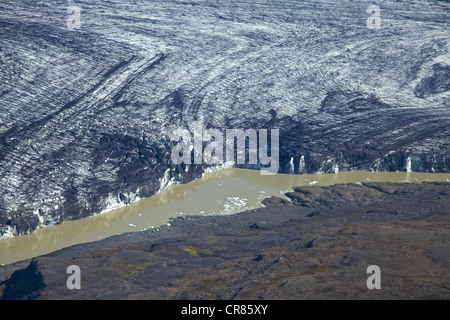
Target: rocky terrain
(86,114)
(316,246)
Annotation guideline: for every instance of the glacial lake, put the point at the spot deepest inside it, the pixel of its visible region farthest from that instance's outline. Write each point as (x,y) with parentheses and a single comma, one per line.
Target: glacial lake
(226,191)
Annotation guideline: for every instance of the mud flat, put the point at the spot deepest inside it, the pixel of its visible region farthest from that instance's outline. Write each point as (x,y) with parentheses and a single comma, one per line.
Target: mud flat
(314,244)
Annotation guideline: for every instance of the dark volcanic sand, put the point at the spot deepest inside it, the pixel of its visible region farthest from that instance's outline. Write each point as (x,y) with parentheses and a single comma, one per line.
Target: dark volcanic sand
(316,247)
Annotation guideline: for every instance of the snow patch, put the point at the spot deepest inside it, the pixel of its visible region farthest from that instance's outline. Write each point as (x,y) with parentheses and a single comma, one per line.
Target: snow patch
(291,166)
(166,180)
(8,232)
(408,164)
(233,204)
(224,165)
(121,200)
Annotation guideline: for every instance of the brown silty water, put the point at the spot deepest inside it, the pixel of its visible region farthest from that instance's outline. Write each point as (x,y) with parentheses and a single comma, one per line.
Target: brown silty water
(226,191)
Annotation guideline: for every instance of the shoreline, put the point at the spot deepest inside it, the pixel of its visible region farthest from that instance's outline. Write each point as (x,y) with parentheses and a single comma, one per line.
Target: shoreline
(226,191)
